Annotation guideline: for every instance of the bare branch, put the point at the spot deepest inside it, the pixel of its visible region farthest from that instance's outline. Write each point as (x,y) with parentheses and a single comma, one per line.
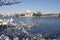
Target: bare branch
(8,3)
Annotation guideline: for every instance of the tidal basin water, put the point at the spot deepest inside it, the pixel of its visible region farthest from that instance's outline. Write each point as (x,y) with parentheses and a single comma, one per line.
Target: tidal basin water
(50,26)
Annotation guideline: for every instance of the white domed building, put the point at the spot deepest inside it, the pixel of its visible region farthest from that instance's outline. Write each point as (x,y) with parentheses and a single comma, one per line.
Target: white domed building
(28,13)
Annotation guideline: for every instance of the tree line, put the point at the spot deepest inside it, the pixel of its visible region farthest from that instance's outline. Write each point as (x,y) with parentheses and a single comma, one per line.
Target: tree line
(38,14)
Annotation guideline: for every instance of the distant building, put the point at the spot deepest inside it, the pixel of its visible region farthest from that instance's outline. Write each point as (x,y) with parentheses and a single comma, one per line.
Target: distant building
(54,15)
(28,13)
(50,15)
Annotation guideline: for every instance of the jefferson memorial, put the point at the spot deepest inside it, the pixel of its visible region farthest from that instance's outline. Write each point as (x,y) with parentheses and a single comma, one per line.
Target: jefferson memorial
(28,13)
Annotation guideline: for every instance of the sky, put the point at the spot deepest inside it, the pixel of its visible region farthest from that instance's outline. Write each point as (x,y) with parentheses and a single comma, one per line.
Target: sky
(44,6)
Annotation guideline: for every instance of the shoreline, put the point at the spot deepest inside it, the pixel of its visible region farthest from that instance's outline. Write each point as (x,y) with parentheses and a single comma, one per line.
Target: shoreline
(36,17)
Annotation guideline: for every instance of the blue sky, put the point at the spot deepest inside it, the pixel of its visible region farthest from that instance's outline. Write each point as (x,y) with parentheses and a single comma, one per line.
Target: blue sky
(44,6)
